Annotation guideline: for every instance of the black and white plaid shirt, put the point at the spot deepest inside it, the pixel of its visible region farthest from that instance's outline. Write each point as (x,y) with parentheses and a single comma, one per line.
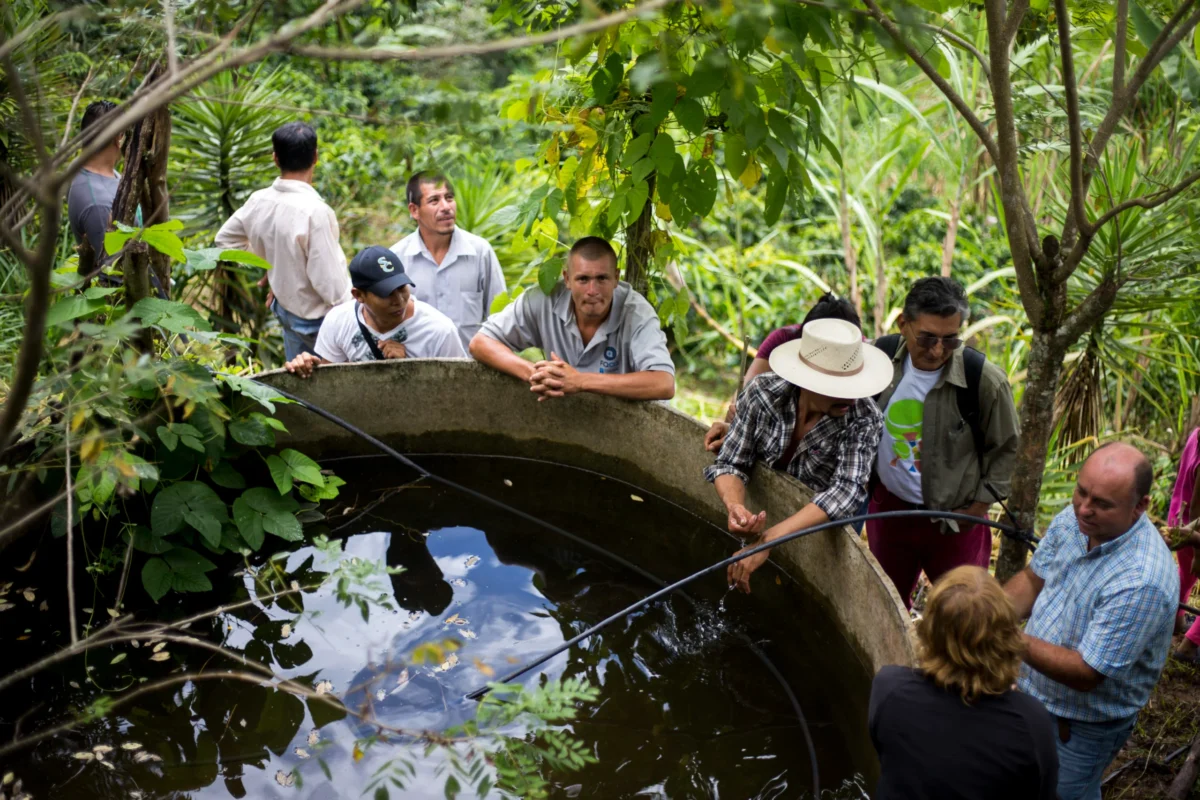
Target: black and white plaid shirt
(834,459)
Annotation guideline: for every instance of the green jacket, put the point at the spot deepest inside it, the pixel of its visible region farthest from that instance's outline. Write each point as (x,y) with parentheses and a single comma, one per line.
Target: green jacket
(950,476)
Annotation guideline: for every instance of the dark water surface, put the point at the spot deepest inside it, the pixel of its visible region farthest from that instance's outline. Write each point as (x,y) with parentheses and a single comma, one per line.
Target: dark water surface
(685,709)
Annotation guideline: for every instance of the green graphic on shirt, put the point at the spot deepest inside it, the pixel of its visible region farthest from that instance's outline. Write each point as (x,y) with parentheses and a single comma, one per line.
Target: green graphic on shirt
(903,421)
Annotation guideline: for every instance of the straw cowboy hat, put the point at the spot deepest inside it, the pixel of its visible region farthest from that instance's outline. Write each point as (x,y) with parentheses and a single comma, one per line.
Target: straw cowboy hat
(830,358)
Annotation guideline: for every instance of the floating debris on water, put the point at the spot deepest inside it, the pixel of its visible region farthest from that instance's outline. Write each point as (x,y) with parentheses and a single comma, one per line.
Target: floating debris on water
(285,778)
(301,752)
(451,620)
(84,755)
(314,736)
(413,616)
(459,582)
(324,687)
(507,482)
(162,655)
(143,756)
(472,561)
(636,499)
(380,694)
(467,634)
(131,746)
(448,664)
(285,631)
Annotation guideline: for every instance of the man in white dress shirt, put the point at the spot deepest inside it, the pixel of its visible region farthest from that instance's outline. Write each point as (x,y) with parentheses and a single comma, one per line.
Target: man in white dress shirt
(289,225)
(455,271)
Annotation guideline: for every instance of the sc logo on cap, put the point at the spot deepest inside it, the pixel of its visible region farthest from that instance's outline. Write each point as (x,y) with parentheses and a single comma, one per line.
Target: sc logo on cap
(385,265)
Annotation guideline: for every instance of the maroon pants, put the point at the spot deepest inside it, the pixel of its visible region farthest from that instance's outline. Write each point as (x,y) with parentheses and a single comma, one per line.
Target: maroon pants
(905,547)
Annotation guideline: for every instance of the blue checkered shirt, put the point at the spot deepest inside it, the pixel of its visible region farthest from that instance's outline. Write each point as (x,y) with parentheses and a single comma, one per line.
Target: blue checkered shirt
(1114,605)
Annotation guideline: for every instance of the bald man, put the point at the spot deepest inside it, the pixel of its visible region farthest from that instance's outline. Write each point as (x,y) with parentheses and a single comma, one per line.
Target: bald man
(1100,595)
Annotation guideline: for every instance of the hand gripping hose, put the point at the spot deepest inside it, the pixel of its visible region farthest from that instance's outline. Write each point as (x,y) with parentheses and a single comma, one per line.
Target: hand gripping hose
(479,693)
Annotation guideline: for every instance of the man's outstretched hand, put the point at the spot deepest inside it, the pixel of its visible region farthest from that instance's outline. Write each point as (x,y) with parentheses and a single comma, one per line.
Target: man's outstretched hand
(303,364)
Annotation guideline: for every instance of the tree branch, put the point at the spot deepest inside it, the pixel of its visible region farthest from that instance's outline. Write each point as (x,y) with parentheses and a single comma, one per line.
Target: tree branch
(1090,311)
(1012,21)
(1122,40)
(9,47)
(1145,201)
(1077,219)
(1164,43)
(1020,226)
(474,48)
(943,86)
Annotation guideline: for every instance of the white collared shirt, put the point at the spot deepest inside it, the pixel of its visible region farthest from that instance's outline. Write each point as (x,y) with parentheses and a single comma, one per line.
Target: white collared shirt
(426,334)
(463,286)
(290,226)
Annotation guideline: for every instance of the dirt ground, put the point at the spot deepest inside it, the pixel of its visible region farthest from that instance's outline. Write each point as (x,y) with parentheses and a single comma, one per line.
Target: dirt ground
(1166,724)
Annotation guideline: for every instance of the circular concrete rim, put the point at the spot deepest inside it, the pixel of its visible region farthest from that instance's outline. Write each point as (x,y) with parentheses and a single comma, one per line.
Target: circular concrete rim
(456,405)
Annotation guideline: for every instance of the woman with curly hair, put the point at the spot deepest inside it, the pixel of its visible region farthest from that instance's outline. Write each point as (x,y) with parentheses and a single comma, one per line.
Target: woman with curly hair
(955,727)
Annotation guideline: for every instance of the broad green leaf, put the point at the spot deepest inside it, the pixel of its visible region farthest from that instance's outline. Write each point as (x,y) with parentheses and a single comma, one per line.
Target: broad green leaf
(285,526)
(243,257)
(708,76)
(169,315)
(260,393)
(641,169)
(702,188)
(303,468)
(329,491)
(71,308)
(662,153)
(249,523)
(190,582)
(224,475)
(192,503)
(755,129)
(156,578)
(777,188)
(281,473)
(165,242)
(638,194)
(167,437)
(661,102)
(146,542)
(691,115)
(184,559)
(252,432)
(637,148)
(115,240)
(201,260)
(549,274)
(736,155)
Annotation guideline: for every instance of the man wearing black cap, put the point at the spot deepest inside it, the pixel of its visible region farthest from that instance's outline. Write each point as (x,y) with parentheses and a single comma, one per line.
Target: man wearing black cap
(384,321)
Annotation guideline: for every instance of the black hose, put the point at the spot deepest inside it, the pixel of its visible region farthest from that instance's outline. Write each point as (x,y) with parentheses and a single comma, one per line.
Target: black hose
(724,563)
(808,740)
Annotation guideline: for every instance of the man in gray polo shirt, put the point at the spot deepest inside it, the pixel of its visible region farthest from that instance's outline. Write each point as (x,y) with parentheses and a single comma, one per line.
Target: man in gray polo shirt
(601,336)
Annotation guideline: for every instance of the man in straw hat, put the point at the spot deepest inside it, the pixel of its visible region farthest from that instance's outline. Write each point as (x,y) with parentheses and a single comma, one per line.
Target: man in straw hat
(812,416)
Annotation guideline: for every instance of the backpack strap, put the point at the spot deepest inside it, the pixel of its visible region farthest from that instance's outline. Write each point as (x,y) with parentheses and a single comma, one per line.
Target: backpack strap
(968,398)
(889,344)
(366,334)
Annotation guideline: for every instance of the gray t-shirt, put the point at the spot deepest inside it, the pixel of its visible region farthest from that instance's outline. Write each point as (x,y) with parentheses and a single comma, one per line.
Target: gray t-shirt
(630,340)
(89,207)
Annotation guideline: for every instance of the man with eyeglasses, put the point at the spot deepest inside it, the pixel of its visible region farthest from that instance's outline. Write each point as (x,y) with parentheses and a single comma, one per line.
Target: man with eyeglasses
(950,438)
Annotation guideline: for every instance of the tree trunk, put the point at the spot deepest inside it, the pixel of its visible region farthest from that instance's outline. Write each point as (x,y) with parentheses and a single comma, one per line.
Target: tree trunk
(1037,425)
(639,246)
(952,228)
(157,196)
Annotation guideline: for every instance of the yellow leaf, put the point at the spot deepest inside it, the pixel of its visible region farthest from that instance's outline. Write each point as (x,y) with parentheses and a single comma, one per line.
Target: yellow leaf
(78,419)
(552,152)
(91,447)
(124,467)
(663,212)
(778,582)
(751,174)
(189,408)
(484,668)
(772,44)
(358,753)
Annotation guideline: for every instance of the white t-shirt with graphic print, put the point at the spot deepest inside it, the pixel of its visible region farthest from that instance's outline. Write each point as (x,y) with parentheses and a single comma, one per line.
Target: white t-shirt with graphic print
(899,460)
(428,333)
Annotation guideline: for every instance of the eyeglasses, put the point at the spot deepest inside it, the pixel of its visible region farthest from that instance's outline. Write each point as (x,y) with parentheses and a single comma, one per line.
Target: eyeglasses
(926,342)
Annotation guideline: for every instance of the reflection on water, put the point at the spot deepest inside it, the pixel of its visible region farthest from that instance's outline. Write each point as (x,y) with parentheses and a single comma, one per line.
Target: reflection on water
(685,708)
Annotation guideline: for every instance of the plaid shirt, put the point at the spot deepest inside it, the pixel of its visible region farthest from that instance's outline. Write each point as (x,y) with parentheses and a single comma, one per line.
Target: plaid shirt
(1115,605)
(834,459)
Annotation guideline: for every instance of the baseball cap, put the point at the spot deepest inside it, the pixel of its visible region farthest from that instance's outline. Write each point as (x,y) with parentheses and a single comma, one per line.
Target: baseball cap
(378,270)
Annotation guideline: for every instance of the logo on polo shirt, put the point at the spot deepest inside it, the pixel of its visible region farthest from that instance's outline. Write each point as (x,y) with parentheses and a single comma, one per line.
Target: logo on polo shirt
(610,360)
(385,265)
